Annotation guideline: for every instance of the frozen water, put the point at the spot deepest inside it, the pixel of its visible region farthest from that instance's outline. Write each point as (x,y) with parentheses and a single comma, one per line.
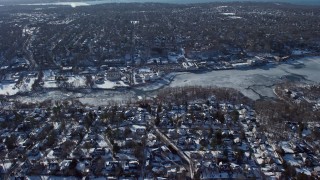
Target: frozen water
(253,83)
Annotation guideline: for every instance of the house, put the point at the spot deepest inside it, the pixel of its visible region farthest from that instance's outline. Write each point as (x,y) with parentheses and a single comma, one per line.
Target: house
(99,80)
(57,151)
(316,171)
(64,166)
(8,79)
(78,153)
(34,152)
(141,131)
(113,74)
(2,171)
(20,63)
(171,172)
(53,166)
(99,152)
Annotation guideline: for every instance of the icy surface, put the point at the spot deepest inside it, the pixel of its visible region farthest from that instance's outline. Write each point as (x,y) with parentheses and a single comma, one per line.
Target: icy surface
(253,82)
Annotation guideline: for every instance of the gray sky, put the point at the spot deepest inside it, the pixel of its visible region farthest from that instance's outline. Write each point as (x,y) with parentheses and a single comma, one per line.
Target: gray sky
(308,2)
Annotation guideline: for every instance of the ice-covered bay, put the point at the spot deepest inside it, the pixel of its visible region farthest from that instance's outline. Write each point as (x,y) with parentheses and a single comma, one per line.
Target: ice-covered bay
(252,82)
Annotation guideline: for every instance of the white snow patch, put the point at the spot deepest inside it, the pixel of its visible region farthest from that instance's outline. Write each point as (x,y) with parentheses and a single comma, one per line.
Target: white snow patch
(289,158)
(228,14)
(304,171)
(8,89)
(6,166)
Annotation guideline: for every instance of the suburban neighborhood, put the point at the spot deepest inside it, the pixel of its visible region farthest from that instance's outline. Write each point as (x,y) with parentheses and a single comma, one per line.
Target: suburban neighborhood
(202,138)
(132,91)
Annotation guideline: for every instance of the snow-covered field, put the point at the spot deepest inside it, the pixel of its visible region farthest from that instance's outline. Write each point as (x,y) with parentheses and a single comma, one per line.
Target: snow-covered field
(12,88)
(110,85)
(97,98)
(8,89)
(51,178)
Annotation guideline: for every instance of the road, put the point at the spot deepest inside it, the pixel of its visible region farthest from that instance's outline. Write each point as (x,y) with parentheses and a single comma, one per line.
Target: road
(180,153)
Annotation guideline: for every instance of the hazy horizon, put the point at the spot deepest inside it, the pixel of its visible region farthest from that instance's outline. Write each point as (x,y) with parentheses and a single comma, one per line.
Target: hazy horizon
(12,2)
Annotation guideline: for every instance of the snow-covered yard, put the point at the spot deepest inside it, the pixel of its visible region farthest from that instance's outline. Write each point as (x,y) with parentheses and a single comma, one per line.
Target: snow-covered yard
(110,85)
(8,89)
(13,88)
(6,165)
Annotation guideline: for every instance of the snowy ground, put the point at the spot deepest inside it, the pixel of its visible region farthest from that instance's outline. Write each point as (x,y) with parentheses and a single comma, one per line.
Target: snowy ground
(110,85)
(6,165)
(96,98)
(77,81)
(51,178)
(12,88)
(8,89)
(50,82)
(157,84)
(49,79)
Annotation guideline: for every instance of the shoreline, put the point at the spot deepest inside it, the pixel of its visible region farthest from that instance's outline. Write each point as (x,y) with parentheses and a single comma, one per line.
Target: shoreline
(172,80)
